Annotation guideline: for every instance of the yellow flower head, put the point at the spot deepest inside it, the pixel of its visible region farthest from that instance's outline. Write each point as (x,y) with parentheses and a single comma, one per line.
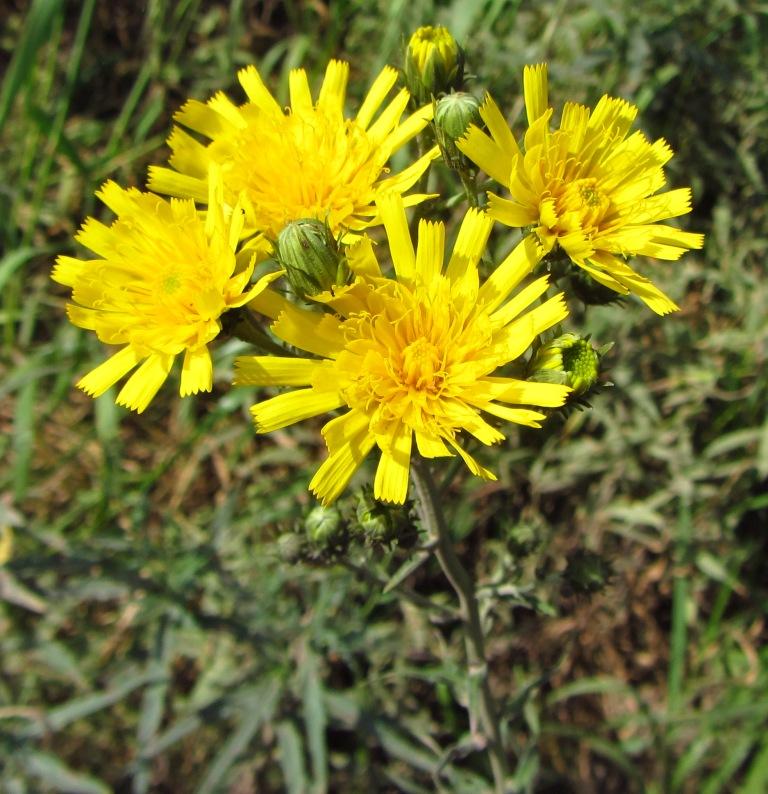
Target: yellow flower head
(411,357)
(587,187)
(434,63)
(307,162)
(429,44)
(164,277)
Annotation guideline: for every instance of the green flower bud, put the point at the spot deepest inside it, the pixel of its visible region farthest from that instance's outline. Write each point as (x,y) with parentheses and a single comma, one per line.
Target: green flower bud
(323,525)
(434,63)
(453,115)
(311,257)
(455,112)
(290,547)
(373,519)
(569,360)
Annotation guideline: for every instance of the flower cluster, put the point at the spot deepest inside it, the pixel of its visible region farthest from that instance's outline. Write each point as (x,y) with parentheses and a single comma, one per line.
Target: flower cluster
(420,349)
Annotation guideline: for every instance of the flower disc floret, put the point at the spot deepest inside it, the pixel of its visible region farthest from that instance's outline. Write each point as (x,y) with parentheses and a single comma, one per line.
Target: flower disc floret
(412,357)
(164,276)
(589,187)
(307,161)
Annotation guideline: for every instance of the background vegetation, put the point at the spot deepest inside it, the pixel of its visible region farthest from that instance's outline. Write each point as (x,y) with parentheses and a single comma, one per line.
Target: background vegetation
(164,628)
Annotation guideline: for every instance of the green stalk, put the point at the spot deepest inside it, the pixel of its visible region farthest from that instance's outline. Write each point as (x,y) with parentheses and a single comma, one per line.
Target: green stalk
(482,708)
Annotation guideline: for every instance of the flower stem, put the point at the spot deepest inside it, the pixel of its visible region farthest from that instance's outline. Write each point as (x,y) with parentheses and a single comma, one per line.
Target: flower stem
(482,708)
(470,187)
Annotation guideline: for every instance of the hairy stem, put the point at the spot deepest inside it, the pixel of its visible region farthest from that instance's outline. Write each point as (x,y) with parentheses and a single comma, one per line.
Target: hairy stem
(483,713)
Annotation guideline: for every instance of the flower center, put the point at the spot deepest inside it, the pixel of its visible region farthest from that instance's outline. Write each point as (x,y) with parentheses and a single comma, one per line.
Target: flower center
(421,365)
(582,204)
(170,283)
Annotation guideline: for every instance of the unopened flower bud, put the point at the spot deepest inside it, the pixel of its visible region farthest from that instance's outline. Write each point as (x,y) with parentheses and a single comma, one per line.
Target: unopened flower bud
(453,115)
(311,257)
(569,360)
(434,63)
(372,518)
(323,525)
(290,547)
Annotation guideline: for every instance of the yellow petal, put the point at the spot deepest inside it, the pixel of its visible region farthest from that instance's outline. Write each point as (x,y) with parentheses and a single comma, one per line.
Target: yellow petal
(431,446)
(521,261)
(511,390)
(335,472)
(535,89)
(196,372)
(521,301)
(201,118)
(291,407)
(347,429)
(298,86)
(470,243)
(257,92)
(189,156)
(472,464)
(405,179)
(388,119)
(362,260)
(311,331)
(68,270)
(334,87)
(144,384)
(486,153)
(408,129)
(391,481)
(520,416)
(400,243)
(376,95)
(499,129)
(270,303)
(172,183)
(98,380)
(274,371)
(430,250)
(511,213)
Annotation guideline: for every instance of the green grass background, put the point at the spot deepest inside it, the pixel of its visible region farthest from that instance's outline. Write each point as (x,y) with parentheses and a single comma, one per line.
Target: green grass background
(153,637)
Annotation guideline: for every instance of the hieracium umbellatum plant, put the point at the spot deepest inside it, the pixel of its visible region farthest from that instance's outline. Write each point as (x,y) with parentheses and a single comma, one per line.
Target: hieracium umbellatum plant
(416,344)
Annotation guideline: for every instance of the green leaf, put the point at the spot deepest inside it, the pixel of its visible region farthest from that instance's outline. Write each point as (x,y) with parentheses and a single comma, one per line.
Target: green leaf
(37,27)
(54,773)
(256,708)
(291,758)
(315,720)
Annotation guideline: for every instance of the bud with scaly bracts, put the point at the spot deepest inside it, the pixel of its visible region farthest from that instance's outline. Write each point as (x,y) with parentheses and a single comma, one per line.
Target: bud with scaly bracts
(312,258)
(434,64)
(569,360)
(453,115)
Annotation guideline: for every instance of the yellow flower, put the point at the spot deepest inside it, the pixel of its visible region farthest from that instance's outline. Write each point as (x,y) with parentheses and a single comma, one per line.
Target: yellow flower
(412,357)
(434,63)
(164,277)
(308,162)
(585,187)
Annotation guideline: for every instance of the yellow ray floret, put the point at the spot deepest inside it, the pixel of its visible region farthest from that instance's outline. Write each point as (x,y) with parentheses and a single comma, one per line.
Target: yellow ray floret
(413,358)
(307,161)
(585,187)
(165,275)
